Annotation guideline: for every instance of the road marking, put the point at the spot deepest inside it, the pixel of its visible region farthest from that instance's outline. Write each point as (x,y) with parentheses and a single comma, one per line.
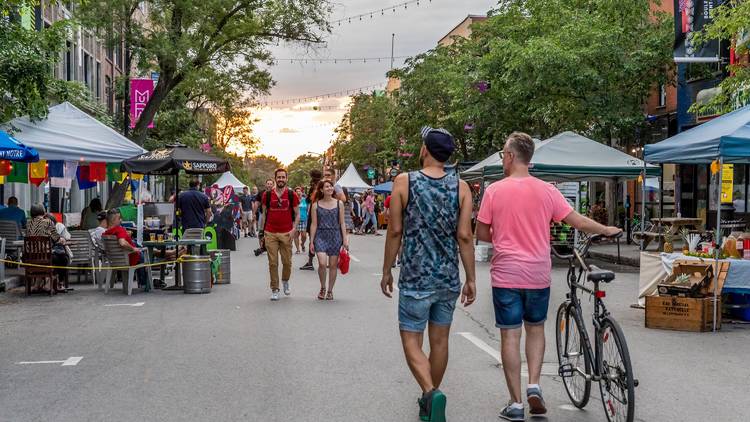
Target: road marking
(377,274)
(482,345)
(551,369)
(71,361)
(354,258)
(127,304)
(568,407)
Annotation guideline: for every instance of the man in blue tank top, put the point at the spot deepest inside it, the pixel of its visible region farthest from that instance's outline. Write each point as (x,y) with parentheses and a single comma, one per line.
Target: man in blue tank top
(431,213)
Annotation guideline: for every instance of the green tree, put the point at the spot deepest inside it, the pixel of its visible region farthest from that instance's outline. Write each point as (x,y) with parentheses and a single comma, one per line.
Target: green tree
(188,39)
(363,136)
(26,61)
(261,168)
(299,169)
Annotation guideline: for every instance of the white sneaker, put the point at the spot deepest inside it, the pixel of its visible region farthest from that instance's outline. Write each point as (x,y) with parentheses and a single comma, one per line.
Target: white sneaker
(275,295)
(287,290)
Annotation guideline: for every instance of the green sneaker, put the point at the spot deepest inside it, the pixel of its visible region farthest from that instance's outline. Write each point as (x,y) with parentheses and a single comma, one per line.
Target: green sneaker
(432,406)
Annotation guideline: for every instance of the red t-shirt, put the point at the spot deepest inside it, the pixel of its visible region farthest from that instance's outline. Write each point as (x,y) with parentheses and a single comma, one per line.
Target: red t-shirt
(279,218)
(120,233)
(387,202)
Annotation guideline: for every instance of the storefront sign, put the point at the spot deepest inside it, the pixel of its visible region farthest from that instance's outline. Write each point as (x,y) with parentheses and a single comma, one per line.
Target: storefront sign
(140,93)
(727,183)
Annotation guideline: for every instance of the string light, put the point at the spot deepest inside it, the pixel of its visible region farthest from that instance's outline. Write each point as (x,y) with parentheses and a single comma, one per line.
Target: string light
(372,13)
(341,93)
(350,60)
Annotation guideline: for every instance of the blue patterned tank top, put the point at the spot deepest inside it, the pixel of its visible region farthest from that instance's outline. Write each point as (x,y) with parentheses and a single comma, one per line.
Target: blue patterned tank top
(429,259)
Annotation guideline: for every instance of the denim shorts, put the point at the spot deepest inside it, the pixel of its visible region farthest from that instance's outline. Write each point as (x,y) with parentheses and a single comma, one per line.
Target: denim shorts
(416,308)
(513,307)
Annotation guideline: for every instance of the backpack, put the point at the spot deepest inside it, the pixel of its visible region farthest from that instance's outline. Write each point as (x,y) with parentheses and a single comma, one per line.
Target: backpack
(290,194)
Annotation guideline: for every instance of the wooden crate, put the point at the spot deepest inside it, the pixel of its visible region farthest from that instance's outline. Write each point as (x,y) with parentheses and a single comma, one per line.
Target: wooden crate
(681,313)
(708,289)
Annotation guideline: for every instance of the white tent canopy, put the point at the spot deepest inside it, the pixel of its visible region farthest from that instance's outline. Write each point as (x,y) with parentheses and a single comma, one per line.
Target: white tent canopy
(351,180)
(70,134)
(228,179)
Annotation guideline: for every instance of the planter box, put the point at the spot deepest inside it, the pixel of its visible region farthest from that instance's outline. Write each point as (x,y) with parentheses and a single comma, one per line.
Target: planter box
(681,313)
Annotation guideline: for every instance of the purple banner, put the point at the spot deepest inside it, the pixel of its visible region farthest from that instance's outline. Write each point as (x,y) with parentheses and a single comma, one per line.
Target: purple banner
(140,92)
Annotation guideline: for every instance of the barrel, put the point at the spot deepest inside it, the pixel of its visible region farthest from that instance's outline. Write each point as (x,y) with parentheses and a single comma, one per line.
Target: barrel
(196,274)
(224,276)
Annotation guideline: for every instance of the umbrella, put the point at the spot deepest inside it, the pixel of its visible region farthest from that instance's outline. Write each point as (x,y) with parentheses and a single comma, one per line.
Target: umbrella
(12,149)
(173,159)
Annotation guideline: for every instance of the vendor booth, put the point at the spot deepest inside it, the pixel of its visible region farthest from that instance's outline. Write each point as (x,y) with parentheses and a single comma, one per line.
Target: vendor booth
(717,143)
(68,139)
(228,179)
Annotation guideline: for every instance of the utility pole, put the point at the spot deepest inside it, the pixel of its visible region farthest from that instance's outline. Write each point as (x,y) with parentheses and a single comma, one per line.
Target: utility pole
(393,42)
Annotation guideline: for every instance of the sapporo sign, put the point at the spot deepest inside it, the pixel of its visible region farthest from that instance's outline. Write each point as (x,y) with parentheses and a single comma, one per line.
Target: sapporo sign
(200,166)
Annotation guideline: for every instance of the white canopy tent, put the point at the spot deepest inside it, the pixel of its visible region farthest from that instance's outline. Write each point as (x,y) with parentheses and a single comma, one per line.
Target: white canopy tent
(228,179)
(68,134)
(351,180)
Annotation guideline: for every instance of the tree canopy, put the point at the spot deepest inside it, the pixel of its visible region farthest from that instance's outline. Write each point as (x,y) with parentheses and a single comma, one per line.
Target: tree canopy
(299,169)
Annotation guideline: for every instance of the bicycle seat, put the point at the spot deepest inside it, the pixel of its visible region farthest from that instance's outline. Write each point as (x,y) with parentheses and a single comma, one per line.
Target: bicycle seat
(597,275)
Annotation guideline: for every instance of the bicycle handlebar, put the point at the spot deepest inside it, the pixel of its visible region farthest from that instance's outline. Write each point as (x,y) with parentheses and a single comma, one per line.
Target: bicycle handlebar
(586,246)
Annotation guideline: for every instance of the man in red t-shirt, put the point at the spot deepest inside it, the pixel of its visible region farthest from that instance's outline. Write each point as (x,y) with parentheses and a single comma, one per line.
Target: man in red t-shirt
(280,220)
(126,242)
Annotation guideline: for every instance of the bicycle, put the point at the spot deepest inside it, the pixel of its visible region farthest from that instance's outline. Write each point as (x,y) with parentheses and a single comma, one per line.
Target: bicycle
(609,361)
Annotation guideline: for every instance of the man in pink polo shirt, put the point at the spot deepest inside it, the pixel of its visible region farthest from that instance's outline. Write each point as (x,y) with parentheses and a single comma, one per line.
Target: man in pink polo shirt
(515,216)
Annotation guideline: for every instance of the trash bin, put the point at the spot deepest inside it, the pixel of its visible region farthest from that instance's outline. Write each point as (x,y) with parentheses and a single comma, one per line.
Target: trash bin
(196,274)
(224,276)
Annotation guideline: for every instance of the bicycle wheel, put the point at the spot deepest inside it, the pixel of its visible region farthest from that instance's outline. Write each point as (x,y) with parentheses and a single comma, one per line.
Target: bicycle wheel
(617,385)
(573,357)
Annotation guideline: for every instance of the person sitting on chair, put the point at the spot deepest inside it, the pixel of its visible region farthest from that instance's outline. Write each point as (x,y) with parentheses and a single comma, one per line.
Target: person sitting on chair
(126,242)
(40,225)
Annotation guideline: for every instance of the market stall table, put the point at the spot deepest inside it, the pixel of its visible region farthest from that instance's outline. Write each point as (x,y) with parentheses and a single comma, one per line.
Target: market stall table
(193,246)
(674,224)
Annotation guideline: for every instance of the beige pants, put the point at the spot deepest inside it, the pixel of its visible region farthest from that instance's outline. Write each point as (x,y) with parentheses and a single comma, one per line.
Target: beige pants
(279,243)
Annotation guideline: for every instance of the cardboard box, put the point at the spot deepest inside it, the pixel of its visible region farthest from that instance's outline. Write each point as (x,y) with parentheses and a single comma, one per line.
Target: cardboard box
(681,313)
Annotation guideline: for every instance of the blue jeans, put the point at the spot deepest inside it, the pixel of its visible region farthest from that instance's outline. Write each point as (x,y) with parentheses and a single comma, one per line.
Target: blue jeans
(370,216)
(514,307)
(416,308)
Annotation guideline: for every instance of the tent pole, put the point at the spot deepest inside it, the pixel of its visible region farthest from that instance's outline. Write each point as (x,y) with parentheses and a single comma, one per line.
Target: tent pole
(717,250)
(643,207)
(661,192)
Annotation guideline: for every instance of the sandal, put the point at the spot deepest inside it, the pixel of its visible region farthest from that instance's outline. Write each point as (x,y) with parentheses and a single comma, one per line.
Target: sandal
(322,294)
(329,295)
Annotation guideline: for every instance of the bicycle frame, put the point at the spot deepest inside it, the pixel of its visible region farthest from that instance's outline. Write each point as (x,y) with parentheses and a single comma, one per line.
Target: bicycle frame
(600,312)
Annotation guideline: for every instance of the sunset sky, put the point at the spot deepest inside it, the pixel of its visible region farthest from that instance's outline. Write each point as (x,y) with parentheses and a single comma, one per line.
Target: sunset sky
(286,133)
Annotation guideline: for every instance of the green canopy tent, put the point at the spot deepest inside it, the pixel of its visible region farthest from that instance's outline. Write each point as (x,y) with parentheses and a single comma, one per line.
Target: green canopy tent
(570,157)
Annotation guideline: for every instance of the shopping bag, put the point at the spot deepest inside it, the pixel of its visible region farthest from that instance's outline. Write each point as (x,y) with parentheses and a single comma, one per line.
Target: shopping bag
(344,259)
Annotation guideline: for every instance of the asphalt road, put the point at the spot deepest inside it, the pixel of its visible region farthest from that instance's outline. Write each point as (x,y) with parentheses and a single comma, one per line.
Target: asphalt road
(233,355)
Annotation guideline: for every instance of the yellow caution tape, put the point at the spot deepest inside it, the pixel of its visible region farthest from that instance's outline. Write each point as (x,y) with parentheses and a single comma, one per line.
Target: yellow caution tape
(58,267)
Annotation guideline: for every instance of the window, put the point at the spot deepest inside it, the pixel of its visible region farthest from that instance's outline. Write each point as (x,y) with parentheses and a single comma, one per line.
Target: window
(109,90)
(86,70)
(662,95)
(98,81)
(69,61)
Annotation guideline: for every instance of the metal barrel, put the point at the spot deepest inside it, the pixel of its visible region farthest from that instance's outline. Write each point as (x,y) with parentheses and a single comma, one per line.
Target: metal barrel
(196,274)
(225,269)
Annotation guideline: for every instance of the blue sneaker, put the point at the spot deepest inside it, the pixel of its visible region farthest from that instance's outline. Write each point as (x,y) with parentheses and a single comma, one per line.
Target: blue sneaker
(536,401)
(509,413)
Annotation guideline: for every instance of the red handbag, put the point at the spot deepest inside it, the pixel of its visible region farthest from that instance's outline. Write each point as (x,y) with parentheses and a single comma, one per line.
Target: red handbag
(344,260)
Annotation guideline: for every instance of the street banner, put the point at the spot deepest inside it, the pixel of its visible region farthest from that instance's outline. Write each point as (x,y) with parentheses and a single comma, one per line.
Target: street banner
(689,18)
(140,93)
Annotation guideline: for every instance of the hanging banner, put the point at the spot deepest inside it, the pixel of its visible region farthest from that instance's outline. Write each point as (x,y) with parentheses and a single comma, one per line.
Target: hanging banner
(38,172)
(19,173)
(690,17)
(140,93)
(727,183)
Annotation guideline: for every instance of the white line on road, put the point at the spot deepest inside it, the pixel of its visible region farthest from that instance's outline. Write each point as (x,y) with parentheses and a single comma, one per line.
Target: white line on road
(71,361)
(551,368)
(127,304)
(354,258)
(482,345)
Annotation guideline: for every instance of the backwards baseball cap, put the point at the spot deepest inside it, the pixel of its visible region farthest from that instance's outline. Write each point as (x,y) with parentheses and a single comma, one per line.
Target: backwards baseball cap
(439,142)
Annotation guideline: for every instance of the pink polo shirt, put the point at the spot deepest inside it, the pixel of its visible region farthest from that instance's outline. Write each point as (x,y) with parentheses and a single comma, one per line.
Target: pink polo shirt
(520,210)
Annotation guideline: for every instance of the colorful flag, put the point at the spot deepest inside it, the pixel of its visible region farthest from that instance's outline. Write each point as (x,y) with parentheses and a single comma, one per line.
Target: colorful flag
(38,172)
(98,172)
(84,182)
(19,173)
(4,168)
(56,168)
(113,172)
(140,94)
